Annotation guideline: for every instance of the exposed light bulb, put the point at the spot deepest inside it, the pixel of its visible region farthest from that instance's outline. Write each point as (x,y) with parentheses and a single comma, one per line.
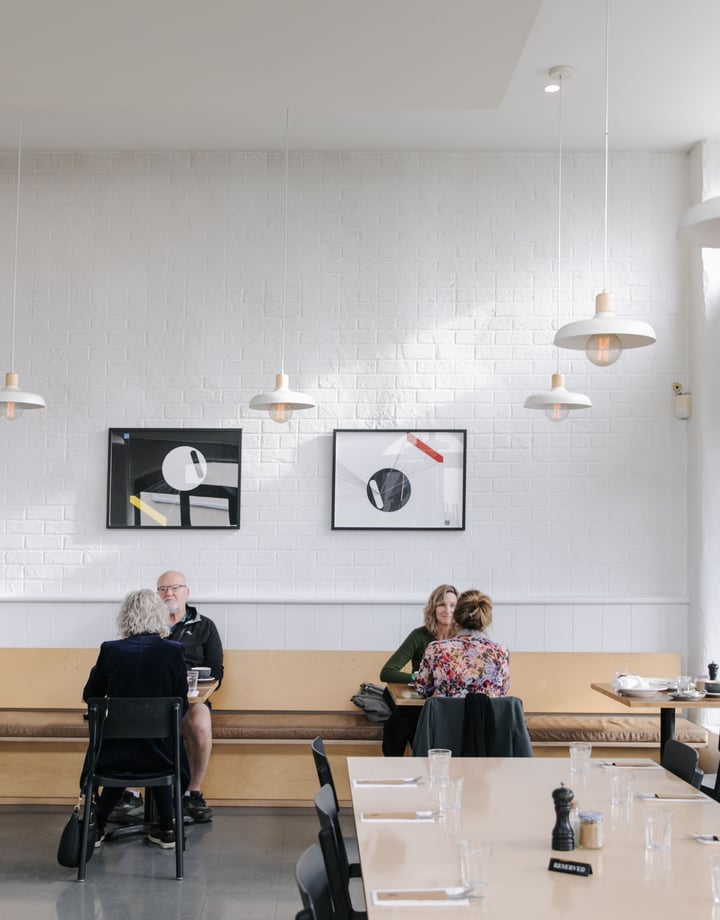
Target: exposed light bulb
(280,412)
(10,412)
(556,412)
(603,350)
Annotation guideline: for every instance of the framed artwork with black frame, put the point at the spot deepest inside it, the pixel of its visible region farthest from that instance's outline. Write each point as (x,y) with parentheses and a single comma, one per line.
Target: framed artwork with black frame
(173,478)
(408,479)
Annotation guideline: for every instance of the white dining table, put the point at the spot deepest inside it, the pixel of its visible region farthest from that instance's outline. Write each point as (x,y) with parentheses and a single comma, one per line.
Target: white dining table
(507,803)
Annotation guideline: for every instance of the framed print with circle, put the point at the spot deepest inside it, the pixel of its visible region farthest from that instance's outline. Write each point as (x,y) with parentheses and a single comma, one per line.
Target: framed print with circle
(173,478)
(399,480)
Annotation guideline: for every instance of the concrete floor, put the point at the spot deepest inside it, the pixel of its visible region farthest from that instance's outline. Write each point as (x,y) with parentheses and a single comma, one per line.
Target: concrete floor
(241,866)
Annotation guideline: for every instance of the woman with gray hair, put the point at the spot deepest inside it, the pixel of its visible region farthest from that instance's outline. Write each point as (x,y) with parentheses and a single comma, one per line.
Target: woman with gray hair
(470,662)
(143,663)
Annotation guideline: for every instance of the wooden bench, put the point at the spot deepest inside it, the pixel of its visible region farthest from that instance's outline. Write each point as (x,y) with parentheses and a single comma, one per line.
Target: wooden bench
(272,703)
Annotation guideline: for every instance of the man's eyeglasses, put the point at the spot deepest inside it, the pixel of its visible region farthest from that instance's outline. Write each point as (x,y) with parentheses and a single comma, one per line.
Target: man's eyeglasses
(164,589)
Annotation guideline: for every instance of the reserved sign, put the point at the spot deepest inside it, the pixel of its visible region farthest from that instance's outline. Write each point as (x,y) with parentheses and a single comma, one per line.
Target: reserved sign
(570,867)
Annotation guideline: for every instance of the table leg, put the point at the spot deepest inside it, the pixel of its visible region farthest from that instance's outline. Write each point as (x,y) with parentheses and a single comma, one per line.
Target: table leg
(667,726)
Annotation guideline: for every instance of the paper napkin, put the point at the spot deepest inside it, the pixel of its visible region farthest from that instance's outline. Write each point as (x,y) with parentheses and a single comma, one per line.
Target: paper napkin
(417,897)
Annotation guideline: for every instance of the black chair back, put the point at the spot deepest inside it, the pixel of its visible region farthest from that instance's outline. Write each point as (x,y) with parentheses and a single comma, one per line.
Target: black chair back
(313,884)
(134,719)
(335,855)
(322,767)
(682,760)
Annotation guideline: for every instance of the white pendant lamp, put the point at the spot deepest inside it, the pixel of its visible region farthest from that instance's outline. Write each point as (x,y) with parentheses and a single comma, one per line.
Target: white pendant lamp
(605,336)
(557,402)
(13,400)
(282,401)
(700,225)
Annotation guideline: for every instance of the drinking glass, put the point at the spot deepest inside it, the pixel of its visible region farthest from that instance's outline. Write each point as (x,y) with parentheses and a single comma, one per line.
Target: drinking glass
(439,764)
(448,795)
(715,878)
(475,865)
(658,829)
(192,680)
(580,752)
(685,683)
(622,787)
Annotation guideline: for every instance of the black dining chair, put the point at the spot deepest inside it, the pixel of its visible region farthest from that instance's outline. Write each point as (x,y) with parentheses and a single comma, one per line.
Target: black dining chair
(322,767)
(682,760)
(325,777)
(127,719)
(314,886)
(335,855)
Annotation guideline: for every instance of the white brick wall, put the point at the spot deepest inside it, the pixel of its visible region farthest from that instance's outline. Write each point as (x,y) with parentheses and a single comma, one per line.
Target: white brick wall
(421,292)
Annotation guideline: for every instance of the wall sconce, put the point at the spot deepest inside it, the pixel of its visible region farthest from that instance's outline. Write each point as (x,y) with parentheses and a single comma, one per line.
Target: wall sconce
(682,402)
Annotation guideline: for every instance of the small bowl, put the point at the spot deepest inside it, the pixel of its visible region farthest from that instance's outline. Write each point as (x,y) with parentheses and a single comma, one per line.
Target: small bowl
(202,673)
(712,686)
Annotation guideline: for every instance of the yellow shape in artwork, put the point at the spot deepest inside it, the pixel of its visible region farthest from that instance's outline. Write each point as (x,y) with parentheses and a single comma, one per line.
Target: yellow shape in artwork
(148,509)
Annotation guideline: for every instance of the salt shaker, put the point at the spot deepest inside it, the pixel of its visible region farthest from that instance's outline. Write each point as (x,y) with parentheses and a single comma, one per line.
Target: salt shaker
(562,835)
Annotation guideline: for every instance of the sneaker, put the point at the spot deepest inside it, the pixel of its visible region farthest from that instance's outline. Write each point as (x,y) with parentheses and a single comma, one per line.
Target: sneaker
(164,839)
(100,836)
(128,807)
(196,809)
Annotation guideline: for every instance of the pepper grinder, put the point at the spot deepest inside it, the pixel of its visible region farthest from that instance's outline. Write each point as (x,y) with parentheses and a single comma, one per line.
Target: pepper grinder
(562,835)
(713,670)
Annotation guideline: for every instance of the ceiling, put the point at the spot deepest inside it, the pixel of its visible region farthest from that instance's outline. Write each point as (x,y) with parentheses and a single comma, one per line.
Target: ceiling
(444,75)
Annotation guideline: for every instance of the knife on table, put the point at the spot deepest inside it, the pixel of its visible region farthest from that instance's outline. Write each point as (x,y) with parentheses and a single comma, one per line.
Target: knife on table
(422,894)
(398,815)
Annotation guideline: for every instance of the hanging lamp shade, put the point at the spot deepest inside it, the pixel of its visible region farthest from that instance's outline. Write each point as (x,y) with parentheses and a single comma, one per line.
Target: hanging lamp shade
(700,225)
(282,401)
(605,336)
(13,400)
(557,401)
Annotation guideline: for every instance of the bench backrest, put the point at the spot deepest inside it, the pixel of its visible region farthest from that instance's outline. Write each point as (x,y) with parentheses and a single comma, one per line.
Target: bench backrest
(44,678)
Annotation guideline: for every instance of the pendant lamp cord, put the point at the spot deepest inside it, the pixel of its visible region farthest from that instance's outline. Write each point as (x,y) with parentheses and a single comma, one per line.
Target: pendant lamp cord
(15,258)
(285,228)
(607,132)
(559,211)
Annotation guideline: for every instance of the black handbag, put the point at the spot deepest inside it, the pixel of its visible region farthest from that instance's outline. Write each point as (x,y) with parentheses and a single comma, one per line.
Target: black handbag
(68,853)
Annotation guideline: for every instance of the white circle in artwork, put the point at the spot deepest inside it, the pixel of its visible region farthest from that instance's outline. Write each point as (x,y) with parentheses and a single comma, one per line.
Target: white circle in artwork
(184,468)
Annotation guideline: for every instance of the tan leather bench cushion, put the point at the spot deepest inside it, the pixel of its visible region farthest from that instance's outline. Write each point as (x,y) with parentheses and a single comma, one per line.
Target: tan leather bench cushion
(609,730)
(40,724)
(300,726)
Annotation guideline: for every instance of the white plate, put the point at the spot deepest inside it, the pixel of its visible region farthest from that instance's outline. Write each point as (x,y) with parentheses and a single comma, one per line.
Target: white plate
(707,693)
(641,694)
(206,680)
(695,695)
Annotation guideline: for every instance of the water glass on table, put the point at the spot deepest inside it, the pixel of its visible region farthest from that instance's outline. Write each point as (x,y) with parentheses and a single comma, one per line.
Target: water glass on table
(439,764)
(580,752)
(658,828)
(622,787)
(192,680)
(447,796)
(715,877)
(475,860)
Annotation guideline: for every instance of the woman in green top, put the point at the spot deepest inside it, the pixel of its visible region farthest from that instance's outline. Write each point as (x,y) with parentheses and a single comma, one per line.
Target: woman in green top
(399,729)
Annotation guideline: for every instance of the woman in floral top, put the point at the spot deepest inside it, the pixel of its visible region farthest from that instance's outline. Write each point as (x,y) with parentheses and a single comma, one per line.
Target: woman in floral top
(470,662)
